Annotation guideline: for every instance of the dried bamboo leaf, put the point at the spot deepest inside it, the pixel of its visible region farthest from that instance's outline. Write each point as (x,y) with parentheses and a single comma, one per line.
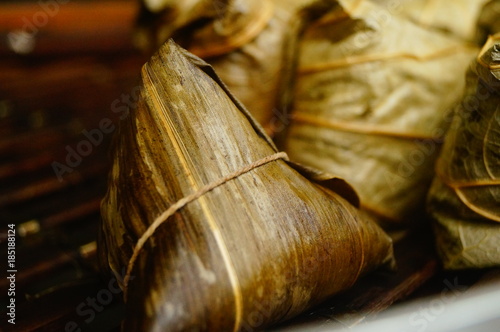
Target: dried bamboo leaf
(252,46)
(371,104)
(458,17)
(255,250)
(465,197)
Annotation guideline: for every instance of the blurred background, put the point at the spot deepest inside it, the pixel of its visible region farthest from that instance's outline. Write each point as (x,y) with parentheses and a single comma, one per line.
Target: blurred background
(68,74)
(65,65)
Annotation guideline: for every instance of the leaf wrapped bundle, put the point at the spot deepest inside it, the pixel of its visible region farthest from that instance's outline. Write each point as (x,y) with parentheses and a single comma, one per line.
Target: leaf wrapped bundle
(464,199)
(251,44)
(371,104)
(257,248)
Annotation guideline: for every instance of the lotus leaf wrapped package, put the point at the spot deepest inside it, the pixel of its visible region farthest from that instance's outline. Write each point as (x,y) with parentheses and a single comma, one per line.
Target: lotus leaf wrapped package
(372,103)
(464,199)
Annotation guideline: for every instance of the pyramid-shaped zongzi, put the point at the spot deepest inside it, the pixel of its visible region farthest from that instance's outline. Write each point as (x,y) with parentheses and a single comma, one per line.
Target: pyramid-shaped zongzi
(250,240)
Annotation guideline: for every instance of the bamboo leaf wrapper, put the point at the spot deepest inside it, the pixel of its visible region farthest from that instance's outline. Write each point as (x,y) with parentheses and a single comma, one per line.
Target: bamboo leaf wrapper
(269,238)
(458,17)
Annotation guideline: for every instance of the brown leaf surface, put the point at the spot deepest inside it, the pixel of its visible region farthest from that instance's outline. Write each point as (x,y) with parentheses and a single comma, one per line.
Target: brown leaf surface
(251,44)
(371,104)
(470,162)
(458,17)
(257,249)
(465,198)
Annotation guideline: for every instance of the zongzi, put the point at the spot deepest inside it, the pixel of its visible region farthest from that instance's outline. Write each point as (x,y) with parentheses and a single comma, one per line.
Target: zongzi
(464,199)
(218,231)
(251,45)
(371,104)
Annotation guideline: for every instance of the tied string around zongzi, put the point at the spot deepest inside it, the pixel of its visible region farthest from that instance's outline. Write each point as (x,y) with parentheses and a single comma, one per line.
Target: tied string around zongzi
(188,199)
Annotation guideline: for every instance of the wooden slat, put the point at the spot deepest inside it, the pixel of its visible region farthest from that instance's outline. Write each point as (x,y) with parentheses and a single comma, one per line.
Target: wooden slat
(72,27)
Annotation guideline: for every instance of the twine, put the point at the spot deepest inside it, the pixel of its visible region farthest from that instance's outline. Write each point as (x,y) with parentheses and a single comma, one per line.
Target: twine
(188,199)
